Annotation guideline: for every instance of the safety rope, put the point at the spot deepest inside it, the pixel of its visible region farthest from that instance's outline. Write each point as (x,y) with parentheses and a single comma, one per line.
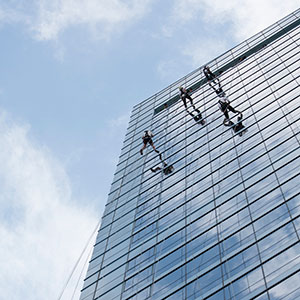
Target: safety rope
(78,260)
(80,275)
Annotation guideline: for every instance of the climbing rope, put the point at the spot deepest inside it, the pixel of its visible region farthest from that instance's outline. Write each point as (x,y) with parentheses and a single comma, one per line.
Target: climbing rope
(78,260)
(80,275)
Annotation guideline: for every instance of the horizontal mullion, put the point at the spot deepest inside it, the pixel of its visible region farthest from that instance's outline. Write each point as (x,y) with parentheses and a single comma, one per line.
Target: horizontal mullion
(245,272)
(256,133)
(241,154)
(264,54)
(215,243)
(225,218)
(195,277)
(216,184)
(221,125)
(292,271)
(248,126)
(278,58)
(274,43)
(236,47)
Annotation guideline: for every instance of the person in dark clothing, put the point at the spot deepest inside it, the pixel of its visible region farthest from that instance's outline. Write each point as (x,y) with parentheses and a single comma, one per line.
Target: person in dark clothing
(147,138)
(224,103)
(210,76)
(184,94)
(224,106)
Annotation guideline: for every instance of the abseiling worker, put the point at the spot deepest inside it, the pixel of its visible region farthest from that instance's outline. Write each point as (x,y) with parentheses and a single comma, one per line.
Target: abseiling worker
(210,76)
(147,138)
(224,105)
(184,94)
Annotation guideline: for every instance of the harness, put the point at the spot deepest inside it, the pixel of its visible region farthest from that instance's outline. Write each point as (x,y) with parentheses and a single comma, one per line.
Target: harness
(147,136)
(183,94)
(220,93)
(223,102)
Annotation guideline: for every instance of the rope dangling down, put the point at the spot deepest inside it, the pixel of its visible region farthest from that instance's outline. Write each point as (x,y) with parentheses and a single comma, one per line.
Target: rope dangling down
(184,95)
(166,169)
(219,91)
(77,262)
(224,103)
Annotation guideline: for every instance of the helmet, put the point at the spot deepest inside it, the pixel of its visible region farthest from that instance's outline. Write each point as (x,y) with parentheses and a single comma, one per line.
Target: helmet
(180,87)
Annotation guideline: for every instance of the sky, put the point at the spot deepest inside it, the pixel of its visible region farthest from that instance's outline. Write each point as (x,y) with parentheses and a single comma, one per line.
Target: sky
(71,71)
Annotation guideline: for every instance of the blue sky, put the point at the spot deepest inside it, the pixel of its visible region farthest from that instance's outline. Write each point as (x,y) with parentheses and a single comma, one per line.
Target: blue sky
(71,72)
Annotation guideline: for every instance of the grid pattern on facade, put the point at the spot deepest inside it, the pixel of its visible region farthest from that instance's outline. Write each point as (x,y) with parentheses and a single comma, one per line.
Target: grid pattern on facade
(225,224)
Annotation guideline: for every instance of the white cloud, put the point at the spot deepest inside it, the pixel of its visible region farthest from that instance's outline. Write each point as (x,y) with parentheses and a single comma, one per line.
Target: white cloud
(102,16)
(42,229)
(184,11)
(11,15)
(114,132)
(289,259)
(204,29)
(202,50)
(119,123)
(246,18)
(48,19)
(170,70)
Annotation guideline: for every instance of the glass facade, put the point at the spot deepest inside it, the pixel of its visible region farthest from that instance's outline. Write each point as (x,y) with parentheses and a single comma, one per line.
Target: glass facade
(225,223)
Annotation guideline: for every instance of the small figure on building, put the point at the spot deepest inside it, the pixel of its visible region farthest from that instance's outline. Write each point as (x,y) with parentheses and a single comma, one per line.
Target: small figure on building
(224,106)
(224,103)
(147,138)
(184,94)
(210,76)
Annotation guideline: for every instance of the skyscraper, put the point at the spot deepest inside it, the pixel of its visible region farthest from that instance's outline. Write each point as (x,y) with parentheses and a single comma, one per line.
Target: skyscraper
(224,223)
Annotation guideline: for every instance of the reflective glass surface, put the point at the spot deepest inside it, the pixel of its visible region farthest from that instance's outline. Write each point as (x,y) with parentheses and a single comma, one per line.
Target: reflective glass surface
(224,223)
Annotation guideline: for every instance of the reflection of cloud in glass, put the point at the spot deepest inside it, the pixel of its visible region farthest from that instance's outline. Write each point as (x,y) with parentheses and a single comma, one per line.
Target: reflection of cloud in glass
(231,198)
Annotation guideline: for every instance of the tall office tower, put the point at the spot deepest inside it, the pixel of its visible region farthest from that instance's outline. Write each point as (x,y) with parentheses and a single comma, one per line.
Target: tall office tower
(224,223)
